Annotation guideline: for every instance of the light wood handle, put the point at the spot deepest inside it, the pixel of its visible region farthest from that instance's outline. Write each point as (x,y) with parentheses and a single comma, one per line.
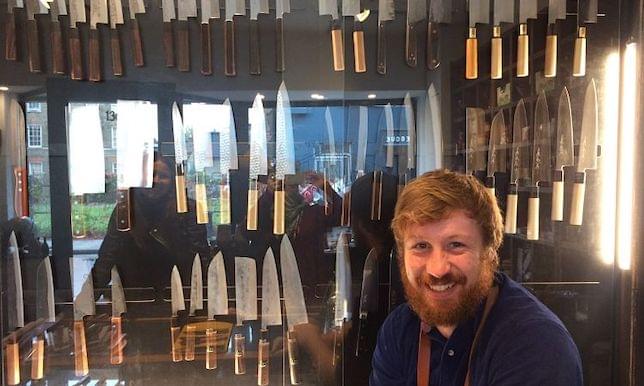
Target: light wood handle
(577,205)
(224,203)
(293,359)
(579,58)
(57,51)
(13,363)
(117,61)
(511,214)
(263,363)
(10,37)
(240,354)
(251,215)
(523,49)
(182,198)
(75,55)
(175,336)
(358,51)
(37,357)
(278,215)
(206,50)
(137,44)
(557,200)
(202,203)
(33,46)
(496,63)
(337,45)
(211,349)
(94,60)
(381,66)
(471,56)
(191,332)
(183,47)
(533,218)
(550,66)
(168,44)
(116,341)
(81,367)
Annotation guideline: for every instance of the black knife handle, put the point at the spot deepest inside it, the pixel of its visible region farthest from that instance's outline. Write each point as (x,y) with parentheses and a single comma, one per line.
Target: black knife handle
(255,66)
(123,221)
(117,60)
(33,46)
(94,59)
(411,48)
(57,51)
(361,340)
(206,49)
(10,37)
(137,44)
(183,46)
(168,44)
(229,48)
(382,49)
(279,45)
(75,54)
(433,45)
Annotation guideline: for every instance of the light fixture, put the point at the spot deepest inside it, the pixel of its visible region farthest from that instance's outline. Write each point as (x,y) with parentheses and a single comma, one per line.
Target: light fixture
(4,88)
(317,96)
(371,96)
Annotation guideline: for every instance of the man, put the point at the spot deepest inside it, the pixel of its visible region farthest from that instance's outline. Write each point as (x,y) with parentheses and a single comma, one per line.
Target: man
(448,229)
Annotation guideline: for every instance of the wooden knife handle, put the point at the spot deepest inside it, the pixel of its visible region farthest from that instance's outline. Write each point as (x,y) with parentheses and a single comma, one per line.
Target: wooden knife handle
(116,341)
(202,203)
(168,44)
(37,357)
(556,213)
(255,65)
(240,354)
(433,45)
(360,64)
(182,198)
(211,349)
(191,332)
(251,213)
(75,55)
(523,50)
(206,50)
(57,52)
(13,363)
(224,203)
(183,46)
(33,46)
(175,336)
(411,47)
(278,205)
(550,66)
(511,210)
(337,46)
(533,215)
(79,229)
(10,37)
(123,220)
(293,358)
(81,367)
(381,49)
(579,58)
(137,44)
(230,69)
(345,219)
(280,62)
(117,61)
(578,195)
(21,192)
(471,55)
(94,62)
(496,63)
(263,362)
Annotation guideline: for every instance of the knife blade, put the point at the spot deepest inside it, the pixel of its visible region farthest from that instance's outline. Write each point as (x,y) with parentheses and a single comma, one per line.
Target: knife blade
(256,7)
(386,13)
(233,7)
(45,311)
(440,11)
(479,13)
(196,304)
(519,168)
(433,120)
(115,9)
(168,14)
(410,123)
(76,15)
(556,10)
(389,122)
(376,183)
(363,114)
(294,304)
(196,117)
(503,13)
(343,299)
(271,314)
(97,14)
(33,7)
(330,7)
(177,303)
(587,159)
(15,318)
(83,306)
(258,164)
(284,155)
(496,154)
(281,7)
(136,6)
(476,136)
(185,9)
(541,162)
(368,294)
(217,305)
(180,158)
(227,162)
(117,339)
(246,305)
(57,8)
(586,13)
(331,140)
(565,153)
(10,29)
(209,10)
(18,160)
(527,10)
(416,12)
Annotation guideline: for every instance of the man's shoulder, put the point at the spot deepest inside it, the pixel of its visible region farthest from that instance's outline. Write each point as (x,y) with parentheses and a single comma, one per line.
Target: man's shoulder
(401,315)
(401,325)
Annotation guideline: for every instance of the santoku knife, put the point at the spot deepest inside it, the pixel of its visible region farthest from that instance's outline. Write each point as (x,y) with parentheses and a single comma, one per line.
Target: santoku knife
(479,13)
(209,10)
(57,8)
(556,10)
(116,17)
(217,305)
(76,15)
(185,9)
(284,156)
(256,7)
(177,303)
(281,7)
(416,12)
(16,314)
(117,339)
(503,13)
(83,305)
(196,304)
(330,7)
(233,7)
(565,153)
(271,315)
(258,164)
(245,304)
(168,14)
(496,154)
(97,14)
(520,168)
(527,10)
(386,13)
(136,6)
(541,162)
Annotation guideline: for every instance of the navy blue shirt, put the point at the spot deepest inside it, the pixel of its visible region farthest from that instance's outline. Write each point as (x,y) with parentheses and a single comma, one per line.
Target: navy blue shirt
(522,343)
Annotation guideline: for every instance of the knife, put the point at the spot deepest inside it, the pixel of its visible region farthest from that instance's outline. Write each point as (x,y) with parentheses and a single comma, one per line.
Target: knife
(479,13)
(177,303)
(281,7)
(136,6)
(586,13)
(196,304)
(209,10)
(527,10)
(368,294)
(10,29)
(389,123)
(343,307)
(258,164)
(246,305)
(476,139)
(117,339)
(386,12)
(330,132)
(345,220)
(217,305)
(18,159)
(185,9)
(271,314)
(180,158)
(416,12)
(587,158)
(201,135)
(496,154)
(33,7)
(256,7)
(294,305)
(168,14)
(284,155)
(97,14)
(541,163)
(503,13)
(376,183)
(76,15)
(83,305)
(556,10)
(46,312)
(116,17)
(519,169)
(15,318)
(227,162)
(330,7)
(410,122)
(57,8)
(433,119)
(352,8)
(440,11)
(233,7)
(565,154)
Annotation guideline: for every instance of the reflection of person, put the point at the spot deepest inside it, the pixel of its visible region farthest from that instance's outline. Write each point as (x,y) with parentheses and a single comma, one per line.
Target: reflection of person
(463,320)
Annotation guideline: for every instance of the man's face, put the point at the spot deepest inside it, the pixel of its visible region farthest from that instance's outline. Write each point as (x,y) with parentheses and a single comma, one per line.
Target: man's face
(444,271)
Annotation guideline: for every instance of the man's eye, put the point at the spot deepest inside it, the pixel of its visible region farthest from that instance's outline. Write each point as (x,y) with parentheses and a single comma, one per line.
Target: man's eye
(456,245)
(420,246)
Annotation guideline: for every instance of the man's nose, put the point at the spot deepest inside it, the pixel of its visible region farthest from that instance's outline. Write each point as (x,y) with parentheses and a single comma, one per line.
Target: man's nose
(438,264)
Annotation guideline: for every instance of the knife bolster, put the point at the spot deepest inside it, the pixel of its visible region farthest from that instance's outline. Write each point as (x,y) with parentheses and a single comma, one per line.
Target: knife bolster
(81,367)
(579,58)
(211,349)
(358,51)
(116,341)
(338,48)
(251,215)
(263,363)
(13,363)
(37,357)
(511,212)
(550,67)
(496,64)
(240,354)
(293,358)
(278,215)
(523,48)
(471,55)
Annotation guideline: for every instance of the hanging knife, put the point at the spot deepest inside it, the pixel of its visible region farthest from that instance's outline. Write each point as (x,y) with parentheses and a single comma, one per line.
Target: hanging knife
(284,155)
(16,314)
(440,11)
(368,295)
(76,15)
(587,159)
(294,305)
(97,14)
(330,7)
(246,305)
(556,10)
(136,6)
(83,305)
(565,154)
(586,13)
(352,8)
(227,162)
(233,7)
(479,13)
(519,169)
(57,8)
(360,163)
(541,162)
(433,120)
(527,10)
(496,154)
(217,305)
(376,183)
(117,339)
(256,7)
(180,158)
(201,140)
(177,303)
(169,14)
(476,139)
(185,9)
(503,13)
(271,315)
(386,12)
(33,7)
(196,304)
(281,7)
(46,312)
(20,189)
(10,29)
(258,164)
(209,10)
(410,122)
(331,139)
(343,299)
(416,12)
(116,17)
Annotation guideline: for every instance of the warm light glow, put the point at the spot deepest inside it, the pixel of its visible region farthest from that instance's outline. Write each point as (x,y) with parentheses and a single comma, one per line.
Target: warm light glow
(371,96)
(317,96)
(4,88)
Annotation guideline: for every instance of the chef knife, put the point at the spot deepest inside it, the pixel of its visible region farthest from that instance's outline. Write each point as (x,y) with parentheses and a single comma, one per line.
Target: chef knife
(16,314)
(281,7)
(245,304)
(541,163)
(202,142)
(217,305)
(168,14)
(565,153)
(10,29)
(360,162)
(196,304)
(587,159)
(76,15)
(496,154)
(33,7)
(185,9)
(97,14)
(586,13)
(352,8)
(479,13)
(410,123)
(343,306)
(180,157)
(368,295)
(330,7)
(258,164)
(57,8)
(503,13)
(556,10)
(475,133)
(440,11)
(46,312)
(18,160)
(284,155)
(416,12)
(209,10)
(256,7)
(83,305)
(331,140)
(115,9)
(527,10)
(386,13)
(233,7)
(136,6)
(294,305)
(433,119)
(271,314)
(520,168)
(117,339)
(227,162)
(376,183)
(177,303)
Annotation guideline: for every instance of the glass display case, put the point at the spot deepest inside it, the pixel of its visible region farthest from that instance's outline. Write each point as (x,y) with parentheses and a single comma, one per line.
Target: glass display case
(201,192)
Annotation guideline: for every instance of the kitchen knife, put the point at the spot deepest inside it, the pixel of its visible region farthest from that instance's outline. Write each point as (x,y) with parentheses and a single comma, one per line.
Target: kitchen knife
(330,7)
(503,13)
(476,136)
(479,13)
(433,119)
(197,116)
(343,299)
(180,158)
(16,308)
(368,295)
(33,7)
(410,123)
(233,7)
(363,111)
(376,183)
(185,9)
(256,7)
(97,14)
(177,303)
(520,164)
(10,29)
(352,8)
(330,132)
(168,14)
(440,11)
(527,10)
(271,314)
(586,13)
(209,10)
(294,305)
(389,123)
(196,304)
(284,155)
(258,164)
(246,305)
(45,312)
(281,7)
(587,159)
(386,13)
(57,8)
(556,10)
(565,153)
(541,163)
(227,162)
(416,12)
(136,6)
(115,9)
(496,154)
(83,306)
(76,15)
(217,305)
(117,339)
(18,159)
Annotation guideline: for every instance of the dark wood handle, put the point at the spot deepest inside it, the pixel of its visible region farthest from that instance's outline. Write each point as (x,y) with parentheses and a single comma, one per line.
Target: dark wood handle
(117,61)
(262,363)
(293,358)
(337,46)
(255,59)
(37,357)
(211,349)
(75,55)
(230,69)
(240,354)
(183,46)
(21,193)
(81,367)
(360,64)
(33,46)
(382,49)
(280,64)
(411,48)
(57,51)
(433,45)
(137,44)
(10,37)
(168,44)
(206,50)
(94,62)
(123,222)
(116,341)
